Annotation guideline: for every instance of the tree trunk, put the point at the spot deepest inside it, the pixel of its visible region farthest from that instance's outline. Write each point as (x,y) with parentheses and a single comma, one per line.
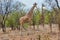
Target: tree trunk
(3,27)
(59,27)
(51,27)
(57,3)
(42,16)
(59,33)
(50,22)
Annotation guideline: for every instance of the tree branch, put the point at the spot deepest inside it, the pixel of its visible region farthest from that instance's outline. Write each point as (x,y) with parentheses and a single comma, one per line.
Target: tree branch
(57,3)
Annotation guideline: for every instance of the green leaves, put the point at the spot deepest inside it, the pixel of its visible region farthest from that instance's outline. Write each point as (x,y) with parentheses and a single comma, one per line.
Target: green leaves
(36,16)
(46,18)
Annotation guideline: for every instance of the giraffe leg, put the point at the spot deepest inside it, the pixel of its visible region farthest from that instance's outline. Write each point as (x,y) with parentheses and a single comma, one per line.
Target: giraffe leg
(23,27)
(29,28)
(51,27)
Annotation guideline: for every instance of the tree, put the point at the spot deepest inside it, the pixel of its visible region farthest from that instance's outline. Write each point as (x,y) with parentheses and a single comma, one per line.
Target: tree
(6,4)
(42,16)
(57,4)
(54,5)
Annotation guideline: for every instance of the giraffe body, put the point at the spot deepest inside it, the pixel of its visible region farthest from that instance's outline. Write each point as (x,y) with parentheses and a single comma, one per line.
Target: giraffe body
(27,17)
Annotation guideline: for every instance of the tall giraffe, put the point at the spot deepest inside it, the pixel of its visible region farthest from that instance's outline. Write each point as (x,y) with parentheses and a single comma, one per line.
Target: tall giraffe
(27,17)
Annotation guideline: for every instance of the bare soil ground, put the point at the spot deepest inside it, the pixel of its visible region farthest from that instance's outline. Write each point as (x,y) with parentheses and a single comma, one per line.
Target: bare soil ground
(39,33)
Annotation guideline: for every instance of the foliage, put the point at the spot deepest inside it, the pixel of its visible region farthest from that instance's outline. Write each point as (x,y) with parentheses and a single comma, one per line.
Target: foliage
(19,11)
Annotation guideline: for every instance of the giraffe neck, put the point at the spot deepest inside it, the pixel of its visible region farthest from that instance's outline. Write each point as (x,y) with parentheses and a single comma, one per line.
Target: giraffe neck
(30,13)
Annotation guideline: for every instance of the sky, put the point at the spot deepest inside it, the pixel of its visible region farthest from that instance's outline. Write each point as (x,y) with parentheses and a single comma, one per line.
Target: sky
(29,3)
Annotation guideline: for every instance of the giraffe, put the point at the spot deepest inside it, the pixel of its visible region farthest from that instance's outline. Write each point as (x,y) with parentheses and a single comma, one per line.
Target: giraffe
(27,17)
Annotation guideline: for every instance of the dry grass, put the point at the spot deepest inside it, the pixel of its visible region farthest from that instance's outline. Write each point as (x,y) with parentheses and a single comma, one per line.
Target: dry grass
(42,34)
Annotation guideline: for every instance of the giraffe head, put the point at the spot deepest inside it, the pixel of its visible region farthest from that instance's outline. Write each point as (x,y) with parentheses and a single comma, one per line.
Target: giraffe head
(35,4)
